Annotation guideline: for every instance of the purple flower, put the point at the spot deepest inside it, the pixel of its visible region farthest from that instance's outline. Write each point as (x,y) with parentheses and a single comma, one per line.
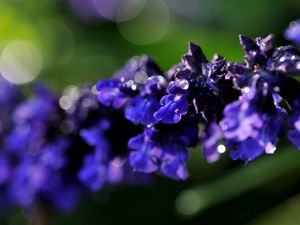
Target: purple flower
(37,149)
(10,96)
(141,110)
(294,137)
(241,120)
(32,175)
(135,78)
(9,93)
(263,54)
(35,121)
(211,137)
(62,194)
(194,88)
(294,120)
(172,109)
(265,142)
(107,162)
(153,155)
(53,155)
(246,150)
(5,169)
(164,149)
(144,120)
(145,159)
(257,119)
(94,148)
(110,94)
(292,33)
(194,59)
(254,54)
(251,130)
(85,9)
(94,170)
(138,68)
(81,106)
(96,135)
(27,179)
(137,88)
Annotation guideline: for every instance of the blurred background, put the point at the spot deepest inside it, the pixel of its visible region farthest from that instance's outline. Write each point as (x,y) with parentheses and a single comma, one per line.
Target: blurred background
(66,42)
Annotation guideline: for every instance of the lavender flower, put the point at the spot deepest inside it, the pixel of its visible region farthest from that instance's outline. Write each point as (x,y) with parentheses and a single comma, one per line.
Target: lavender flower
(94,170)
(164,148)
(36,120)
(102,160)
(35,150)
(5,169)
(252,125)
(136,87)
(173,107)
(250,131)
(110,93)
(144,121)
(263,54)
(197,90)
(292,33)
(10,96)
(294,135)
(211,138)
(294,122)
(141,109)
(155,150)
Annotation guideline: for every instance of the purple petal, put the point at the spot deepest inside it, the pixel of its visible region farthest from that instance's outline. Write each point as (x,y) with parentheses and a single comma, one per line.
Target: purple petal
(109,93)
(246,150)
(172,109)
(294,137)
(141,110)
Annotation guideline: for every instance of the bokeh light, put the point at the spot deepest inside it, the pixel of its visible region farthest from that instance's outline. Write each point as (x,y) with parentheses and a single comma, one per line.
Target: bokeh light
(149,26)
(20,62)
(112,10)
(188,203)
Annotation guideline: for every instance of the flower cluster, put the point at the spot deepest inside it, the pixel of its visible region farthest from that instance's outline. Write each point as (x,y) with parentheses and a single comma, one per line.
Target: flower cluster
(241,106)
(54,149)
(143,120)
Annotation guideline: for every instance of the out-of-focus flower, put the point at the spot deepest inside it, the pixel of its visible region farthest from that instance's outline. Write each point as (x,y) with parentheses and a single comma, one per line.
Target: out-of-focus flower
(10,96)
(36,121)
(37,148)
(96,125)
(103,10)
(292,33)
(294,121)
